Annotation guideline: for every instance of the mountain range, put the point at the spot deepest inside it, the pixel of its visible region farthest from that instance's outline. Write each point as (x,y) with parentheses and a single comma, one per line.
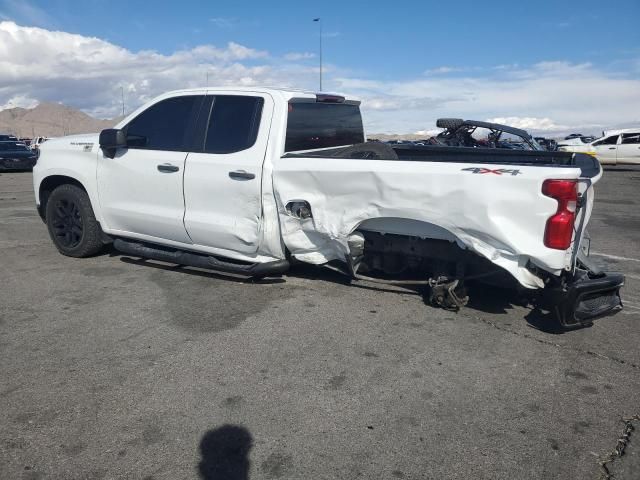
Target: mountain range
(49,120)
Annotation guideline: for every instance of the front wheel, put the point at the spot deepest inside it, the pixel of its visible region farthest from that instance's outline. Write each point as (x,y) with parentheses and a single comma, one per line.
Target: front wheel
(71,223)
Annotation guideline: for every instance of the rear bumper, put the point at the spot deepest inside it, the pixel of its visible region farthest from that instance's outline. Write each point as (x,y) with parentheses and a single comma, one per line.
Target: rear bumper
(586,297)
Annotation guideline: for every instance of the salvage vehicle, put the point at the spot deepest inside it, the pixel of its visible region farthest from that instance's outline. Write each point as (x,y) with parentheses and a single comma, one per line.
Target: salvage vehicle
(16,156)
(37,141)
(477,134)
(250,180)
(616,148)
(547,143)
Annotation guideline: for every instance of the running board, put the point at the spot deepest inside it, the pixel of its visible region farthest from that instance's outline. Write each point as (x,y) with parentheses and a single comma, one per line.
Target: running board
(180,257)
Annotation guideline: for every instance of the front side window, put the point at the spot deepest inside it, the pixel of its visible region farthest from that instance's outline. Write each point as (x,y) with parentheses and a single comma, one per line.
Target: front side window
(608,141)
(234,123)
(167,125)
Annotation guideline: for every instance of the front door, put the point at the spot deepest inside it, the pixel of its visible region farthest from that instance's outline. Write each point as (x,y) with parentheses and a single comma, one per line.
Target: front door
(223,184)
(141,189)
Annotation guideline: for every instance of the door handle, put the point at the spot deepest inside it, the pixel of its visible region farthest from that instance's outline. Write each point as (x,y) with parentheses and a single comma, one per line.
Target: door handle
(612,148)
(168,168)
(241,175)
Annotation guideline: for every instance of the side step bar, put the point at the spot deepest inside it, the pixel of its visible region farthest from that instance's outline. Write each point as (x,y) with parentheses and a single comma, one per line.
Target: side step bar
(181,257)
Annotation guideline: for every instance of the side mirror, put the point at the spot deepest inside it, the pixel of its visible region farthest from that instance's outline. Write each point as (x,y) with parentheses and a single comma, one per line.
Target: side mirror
(111,139)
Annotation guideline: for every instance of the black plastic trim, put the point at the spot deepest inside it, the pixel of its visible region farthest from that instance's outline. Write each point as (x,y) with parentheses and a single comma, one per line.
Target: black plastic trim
(567,301)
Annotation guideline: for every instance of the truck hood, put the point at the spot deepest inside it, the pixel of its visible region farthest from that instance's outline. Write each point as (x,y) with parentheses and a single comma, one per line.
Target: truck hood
(87,142)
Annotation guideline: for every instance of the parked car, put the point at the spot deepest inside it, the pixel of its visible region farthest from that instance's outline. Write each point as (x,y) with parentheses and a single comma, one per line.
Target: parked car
(244,180)
(16,156)
(622,147)
(8,138)
(477,134)
(37,141)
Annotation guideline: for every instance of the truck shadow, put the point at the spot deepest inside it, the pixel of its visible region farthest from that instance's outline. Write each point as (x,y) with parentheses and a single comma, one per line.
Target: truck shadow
(482,298)
(502,301)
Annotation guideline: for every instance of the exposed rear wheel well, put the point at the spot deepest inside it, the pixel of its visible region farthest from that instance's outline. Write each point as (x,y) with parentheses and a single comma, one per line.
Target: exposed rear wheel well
(48,185)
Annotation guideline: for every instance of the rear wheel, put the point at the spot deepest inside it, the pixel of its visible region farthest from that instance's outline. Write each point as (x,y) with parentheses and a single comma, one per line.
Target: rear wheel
(71,223)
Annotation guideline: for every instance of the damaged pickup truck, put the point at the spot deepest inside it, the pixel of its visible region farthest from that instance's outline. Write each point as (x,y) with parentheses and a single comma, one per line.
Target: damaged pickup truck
(248,180)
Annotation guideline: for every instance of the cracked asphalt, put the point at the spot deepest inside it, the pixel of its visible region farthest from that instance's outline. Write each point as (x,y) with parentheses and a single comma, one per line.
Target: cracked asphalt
(115,368)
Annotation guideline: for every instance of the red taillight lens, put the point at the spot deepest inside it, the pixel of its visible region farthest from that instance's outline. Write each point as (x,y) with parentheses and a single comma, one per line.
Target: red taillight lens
(559,230)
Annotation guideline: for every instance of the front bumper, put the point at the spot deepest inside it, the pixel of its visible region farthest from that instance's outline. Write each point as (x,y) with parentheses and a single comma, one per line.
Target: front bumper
(26,163)
(585,297)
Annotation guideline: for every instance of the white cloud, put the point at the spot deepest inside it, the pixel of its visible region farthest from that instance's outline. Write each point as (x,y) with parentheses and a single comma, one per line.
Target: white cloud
(561,95)
(21,101)
(88,72)
(295,56)
(529,123)
(442,70)
(224,22)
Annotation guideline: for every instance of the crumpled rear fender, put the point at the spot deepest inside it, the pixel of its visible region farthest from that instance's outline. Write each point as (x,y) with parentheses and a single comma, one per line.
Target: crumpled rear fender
(500,217)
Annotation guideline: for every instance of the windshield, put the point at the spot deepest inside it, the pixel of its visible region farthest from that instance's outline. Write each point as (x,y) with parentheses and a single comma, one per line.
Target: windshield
(322,125)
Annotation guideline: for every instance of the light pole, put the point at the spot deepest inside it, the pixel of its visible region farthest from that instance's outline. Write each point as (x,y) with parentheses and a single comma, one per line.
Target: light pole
(122,95)
(319,20)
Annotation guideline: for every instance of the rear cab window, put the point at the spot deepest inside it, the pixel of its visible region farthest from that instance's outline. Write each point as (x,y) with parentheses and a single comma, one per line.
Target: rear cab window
(313,125)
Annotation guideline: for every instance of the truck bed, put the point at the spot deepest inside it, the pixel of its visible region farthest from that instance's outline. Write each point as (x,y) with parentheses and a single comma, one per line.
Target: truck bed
(589,165)
(457,194)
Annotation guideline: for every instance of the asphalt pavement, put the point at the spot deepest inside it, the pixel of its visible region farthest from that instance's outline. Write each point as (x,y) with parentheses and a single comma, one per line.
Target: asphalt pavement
(115,368)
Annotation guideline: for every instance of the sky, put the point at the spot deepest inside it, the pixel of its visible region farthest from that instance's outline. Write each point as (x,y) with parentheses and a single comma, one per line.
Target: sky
(545,66)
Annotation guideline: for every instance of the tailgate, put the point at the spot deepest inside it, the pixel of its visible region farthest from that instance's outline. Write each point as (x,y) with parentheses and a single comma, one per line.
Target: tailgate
(498,211)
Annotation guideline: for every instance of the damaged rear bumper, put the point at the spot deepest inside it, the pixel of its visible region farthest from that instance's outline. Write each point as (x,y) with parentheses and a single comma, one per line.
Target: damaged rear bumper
(585,297)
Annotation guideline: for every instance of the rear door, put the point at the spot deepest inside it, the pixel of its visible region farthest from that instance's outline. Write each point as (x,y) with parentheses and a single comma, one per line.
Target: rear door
(629,148)
(222,183)
(141,190)
(607,149)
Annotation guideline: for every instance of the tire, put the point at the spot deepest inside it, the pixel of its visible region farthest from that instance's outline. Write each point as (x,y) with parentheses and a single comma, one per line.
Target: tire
(449,123)
(370,150)
(71,223)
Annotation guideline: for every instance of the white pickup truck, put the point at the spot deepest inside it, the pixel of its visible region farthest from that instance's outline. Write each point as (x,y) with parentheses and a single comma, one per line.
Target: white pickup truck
(246,180)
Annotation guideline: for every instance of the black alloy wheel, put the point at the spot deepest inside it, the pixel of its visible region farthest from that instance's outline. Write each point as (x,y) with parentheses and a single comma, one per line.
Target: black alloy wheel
(67,223)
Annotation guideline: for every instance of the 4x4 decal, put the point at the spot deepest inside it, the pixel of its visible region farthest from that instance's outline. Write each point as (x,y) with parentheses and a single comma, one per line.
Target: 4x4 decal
(497,171)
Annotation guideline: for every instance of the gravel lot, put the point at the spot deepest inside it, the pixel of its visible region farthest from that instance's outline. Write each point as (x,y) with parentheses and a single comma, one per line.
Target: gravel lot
(112,368)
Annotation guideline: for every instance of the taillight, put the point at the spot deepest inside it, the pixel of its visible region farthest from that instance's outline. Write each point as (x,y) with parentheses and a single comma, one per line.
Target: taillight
(559,230)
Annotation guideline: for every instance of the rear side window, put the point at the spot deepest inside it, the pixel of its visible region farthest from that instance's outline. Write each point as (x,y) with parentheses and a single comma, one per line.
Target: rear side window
(322,125)
(630,138)
(234,123)
(167,125)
